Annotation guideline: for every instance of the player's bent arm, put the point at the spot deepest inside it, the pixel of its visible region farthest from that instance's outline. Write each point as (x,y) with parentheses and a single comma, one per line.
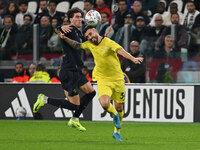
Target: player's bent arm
(74,44)
(126,55)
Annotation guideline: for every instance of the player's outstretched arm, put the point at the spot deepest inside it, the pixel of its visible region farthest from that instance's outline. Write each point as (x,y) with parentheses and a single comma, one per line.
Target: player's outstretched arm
(74,44)
(129,56)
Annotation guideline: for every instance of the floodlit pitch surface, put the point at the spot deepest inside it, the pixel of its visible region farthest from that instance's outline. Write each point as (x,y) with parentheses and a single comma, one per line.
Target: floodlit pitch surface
(56,135)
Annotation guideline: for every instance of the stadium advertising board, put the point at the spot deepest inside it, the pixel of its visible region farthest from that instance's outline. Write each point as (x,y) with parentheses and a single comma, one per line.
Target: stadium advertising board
(156,103)
(14,96)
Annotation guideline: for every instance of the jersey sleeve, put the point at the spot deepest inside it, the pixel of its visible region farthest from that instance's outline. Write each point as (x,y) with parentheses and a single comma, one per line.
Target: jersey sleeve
(114,46)
(85,46)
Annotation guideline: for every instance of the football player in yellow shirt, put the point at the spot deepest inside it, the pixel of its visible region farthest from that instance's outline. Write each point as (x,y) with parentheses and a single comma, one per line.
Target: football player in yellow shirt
(107,72)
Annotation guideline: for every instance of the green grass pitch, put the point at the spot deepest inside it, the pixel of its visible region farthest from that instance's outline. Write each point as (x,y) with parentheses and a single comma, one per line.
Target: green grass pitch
(56,135)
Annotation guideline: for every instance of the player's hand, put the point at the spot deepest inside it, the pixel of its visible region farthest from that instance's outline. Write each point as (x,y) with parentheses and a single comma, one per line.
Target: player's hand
(138,60)
(61,35)
(66,28)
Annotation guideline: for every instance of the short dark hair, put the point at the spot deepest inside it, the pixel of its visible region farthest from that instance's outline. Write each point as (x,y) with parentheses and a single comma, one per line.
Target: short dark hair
(123,1)
(87,28)
(89,1)
(9,16)
(41,67)
(19,63)
(71,12)
(190,1)
(104,12)
(27,15)
(23,2)
(53,1)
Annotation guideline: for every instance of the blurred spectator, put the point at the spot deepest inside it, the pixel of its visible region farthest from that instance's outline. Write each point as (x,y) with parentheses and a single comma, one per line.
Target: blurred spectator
(102,7)
(1,77)
(12,9)
(147,45)
(159,10)
(137,11)
(103,26)
(23,7)
(55,14)
(135,72)
(161,7)
(194,48)
(163,74)
(173,10)
(148,6)
(24,37)
(88,5)
(119,36)
(40,74)
(120,15)
(31,70)
(141,30)
(180,37)
(45,34)
(65,21)
(1,22)
(7,38)
(86,73)
(130,4)
(190,16)
(44,11)
(20,74)
(54,41)
(158,28)
(3,4)
(167,51)
(197,4)
(56,78)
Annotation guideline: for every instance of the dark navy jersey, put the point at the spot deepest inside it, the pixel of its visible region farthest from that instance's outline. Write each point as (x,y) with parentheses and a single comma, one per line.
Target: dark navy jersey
(71,57)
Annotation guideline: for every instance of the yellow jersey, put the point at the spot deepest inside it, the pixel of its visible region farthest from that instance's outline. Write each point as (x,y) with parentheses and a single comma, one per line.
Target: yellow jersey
(107,64)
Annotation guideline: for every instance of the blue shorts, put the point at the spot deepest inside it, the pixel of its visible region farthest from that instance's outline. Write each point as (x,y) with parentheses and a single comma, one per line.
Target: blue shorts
(71,80)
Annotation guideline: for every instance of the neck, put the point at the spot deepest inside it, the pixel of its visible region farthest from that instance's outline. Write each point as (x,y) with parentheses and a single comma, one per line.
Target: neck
(99,39)
(167,49)
(122,11)
(71,24)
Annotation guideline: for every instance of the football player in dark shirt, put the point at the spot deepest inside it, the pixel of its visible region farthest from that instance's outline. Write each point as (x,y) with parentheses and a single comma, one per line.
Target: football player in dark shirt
(71,76)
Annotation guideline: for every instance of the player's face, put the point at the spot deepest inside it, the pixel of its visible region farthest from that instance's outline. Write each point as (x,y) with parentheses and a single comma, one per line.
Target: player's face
(7,23)
(92,36)
(190,7)
(18,68)
(76,20)
(32,69)
(134,47)
(104,18)
(122,5)
(88,6)
(158,21)
(23,8)
(43,5)
(137,7)
(169,42)
(175,19)
(52,7)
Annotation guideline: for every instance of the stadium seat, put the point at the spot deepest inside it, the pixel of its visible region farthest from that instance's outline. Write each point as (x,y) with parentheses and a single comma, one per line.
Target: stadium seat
(32,6)
(79,4)
(179,3)
(63,6)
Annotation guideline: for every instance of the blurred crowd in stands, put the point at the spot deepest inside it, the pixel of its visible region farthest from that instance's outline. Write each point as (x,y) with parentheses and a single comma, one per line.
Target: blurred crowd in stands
(158,29)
